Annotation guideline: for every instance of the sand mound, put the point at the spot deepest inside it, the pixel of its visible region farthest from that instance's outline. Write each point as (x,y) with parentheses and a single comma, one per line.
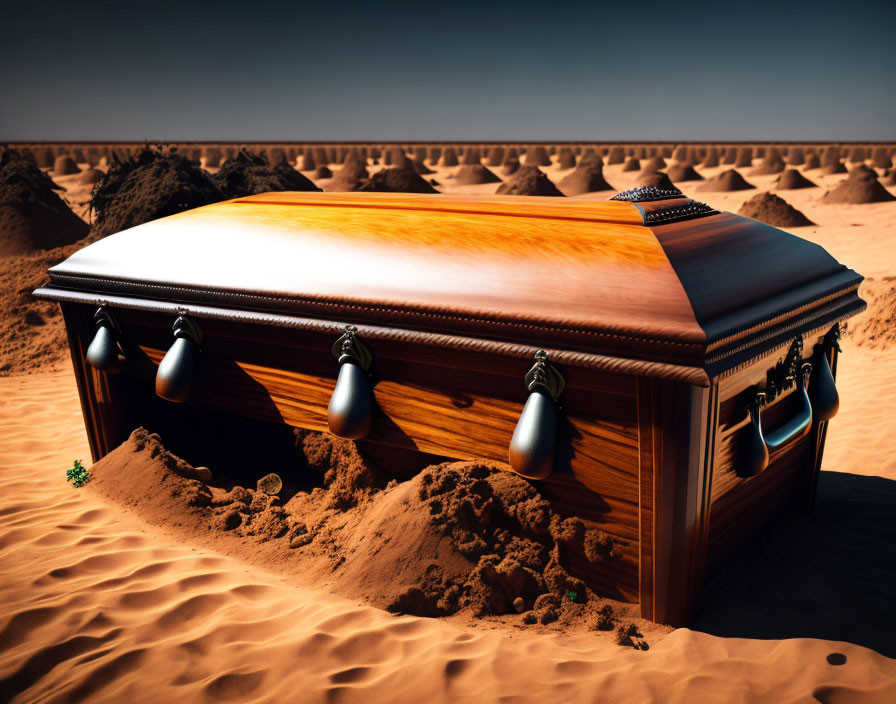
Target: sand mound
(32,215)
(473,172)
(744,158)
(683,172)
(792,179)
(247,174)
(772,163)
(351,175)
(65,165)
(796,157)
(449,157)
(537,155)
(308,161)
(43,157)
(616,155)
(566,159)
(91,176)
(832,164)
(861,186)
(729,180)
(396,179)
(874,327)
(773,210)
(510,166)
(322,172)
(882,157)
(151,184)
(419,167)
(857,155)
(587,177)
(889,178)
(631,164)
(495,156)
(656,163)
(654,179)
(730,155)
(457,536)
(812,162)
(711,158)
(529,181)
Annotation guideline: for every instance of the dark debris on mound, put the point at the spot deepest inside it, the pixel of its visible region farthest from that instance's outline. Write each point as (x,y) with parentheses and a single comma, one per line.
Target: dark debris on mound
(247,173)
(152,183)
(773,210)
(32,215)
(528,181)
(397,179)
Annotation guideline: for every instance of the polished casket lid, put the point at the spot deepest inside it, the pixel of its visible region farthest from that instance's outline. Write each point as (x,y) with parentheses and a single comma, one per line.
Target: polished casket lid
(650,275)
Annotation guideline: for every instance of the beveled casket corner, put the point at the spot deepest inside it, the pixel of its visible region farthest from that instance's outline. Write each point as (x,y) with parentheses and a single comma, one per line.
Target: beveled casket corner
(104,352)
(533,445)
(174,377)
(350,411)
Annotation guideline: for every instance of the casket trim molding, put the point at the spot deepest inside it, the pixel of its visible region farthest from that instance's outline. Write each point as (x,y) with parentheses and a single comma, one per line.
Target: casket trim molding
(620,365)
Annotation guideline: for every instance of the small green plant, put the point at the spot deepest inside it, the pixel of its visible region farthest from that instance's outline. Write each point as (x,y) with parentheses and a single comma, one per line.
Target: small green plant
(571,595)
(78,474)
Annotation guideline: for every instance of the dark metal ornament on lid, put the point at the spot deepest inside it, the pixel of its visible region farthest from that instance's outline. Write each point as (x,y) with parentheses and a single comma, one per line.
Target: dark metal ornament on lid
(350,412)
(104,352)
(533,445)
(174,377)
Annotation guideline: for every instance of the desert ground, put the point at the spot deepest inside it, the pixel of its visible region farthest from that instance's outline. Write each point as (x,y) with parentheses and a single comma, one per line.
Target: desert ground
(104,598)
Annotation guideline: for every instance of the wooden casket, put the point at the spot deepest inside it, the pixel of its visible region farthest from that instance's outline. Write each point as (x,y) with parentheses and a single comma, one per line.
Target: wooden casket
(661,370)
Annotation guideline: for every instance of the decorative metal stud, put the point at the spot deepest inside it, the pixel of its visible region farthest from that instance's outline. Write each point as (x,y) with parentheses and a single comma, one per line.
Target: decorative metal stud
(104,352)
(174,377)
(533,445)
(350,412)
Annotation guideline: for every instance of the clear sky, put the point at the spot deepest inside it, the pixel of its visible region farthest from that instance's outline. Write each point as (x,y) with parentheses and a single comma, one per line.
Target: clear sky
(550,70)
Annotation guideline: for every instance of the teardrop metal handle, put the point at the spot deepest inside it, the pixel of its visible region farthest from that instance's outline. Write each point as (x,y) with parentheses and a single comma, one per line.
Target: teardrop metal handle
(350,413)
(174,377)
(756,444)
(822,388)
(533,445)
(104,353)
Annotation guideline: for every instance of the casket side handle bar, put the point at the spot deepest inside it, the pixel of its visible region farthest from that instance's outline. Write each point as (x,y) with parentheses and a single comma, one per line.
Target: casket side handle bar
(819,402)
(533,445)
(350,412)
(174,377)
(104,351)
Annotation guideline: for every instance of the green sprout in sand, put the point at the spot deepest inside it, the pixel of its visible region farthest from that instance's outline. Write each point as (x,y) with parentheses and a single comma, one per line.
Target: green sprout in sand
(78,474)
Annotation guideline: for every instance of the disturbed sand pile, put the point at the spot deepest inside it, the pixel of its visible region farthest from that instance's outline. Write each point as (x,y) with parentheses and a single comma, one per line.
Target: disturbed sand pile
(882,157)
(91,176)
(459,536)
(861,186)
(473,172)
(587,177)
(32,333)
(831,163)
(744,158)
(65,165)
(875,327)
(495,156)
(711,159)
(449,157)
(632,164)
(773,210)
(396,179)
(537,156)
(792,179)
(656,163)
(796,156)
(151,184)
(683,172)
(726,181)
(248,173)
(528,181)
(510,166)
(812,162)
(32,215)
(772,163)
(654,179)
(616,155)
(351,175)
(566,159)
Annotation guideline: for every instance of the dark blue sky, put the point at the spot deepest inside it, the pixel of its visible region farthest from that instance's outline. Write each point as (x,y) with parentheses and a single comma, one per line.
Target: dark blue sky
(552,70)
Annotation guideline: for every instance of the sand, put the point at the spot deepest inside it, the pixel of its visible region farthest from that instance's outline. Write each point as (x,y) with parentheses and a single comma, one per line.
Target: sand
(100,605)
